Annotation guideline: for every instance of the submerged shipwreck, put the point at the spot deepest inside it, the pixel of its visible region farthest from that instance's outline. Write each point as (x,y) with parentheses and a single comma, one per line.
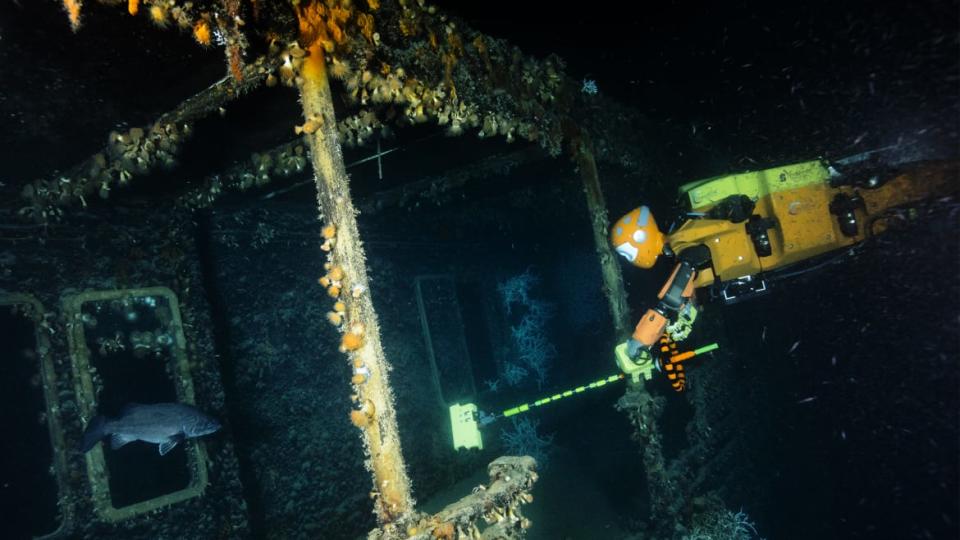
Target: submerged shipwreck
(179,262)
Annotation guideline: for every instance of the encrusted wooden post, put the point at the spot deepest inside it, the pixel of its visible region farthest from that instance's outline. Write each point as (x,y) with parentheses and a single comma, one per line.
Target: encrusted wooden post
(612,279)
(641,407)
(347,275)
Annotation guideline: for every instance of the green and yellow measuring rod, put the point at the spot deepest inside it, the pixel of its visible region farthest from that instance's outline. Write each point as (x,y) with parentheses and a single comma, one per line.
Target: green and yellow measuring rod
(466,419)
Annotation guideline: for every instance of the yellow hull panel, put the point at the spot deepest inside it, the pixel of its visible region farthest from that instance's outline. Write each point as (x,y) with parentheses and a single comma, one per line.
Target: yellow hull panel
(703,194)
(804,226)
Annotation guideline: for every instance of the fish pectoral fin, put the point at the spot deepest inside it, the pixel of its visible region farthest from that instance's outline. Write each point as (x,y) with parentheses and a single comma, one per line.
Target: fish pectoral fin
(168,445)
(117,440)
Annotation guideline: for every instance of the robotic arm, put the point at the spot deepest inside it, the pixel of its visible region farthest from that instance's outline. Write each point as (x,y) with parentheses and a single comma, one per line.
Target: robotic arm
(636,238)
(674,314)
(668,322)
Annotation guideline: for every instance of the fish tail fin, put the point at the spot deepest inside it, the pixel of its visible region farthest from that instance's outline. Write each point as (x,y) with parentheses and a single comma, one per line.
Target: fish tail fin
(95,431)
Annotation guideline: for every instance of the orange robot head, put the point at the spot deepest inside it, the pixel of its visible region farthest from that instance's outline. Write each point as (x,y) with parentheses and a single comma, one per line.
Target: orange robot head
(636,237)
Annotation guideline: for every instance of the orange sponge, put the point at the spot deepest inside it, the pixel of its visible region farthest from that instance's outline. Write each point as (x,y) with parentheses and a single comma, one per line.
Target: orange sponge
(350,342)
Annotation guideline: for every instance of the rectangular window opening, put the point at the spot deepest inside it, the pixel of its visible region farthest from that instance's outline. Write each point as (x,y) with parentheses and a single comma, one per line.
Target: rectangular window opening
(32,460)
(443,334)
(127,346)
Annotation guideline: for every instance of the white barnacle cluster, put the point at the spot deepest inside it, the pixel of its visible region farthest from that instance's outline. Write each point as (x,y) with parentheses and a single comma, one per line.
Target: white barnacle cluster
(268,165)
(128,153)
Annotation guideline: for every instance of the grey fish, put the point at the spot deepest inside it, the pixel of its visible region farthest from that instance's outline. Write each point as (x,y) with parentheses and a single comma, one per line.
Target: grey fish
(165,424)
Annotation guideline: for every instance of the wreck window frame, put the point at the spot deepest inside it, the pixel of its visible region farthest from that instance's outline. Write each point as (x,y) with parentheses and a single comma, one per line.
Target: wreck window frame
(97,473)
(52,402)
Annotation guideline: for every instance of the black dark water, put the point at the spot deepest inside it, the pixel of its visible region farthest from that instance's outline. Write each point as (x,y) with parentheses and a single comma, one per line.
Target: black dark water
(731,85)
(867,405)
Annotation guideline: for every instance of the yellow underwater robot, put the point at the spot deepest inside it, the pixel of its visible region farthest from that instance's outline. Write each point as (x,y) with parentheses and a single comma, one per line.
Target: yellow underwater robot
(755,223)
(745,230)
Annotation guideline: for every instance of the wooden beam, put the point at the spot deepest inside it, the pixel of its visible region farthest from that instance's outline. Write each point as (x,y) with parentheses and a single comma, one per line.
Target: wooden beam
(371,386)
